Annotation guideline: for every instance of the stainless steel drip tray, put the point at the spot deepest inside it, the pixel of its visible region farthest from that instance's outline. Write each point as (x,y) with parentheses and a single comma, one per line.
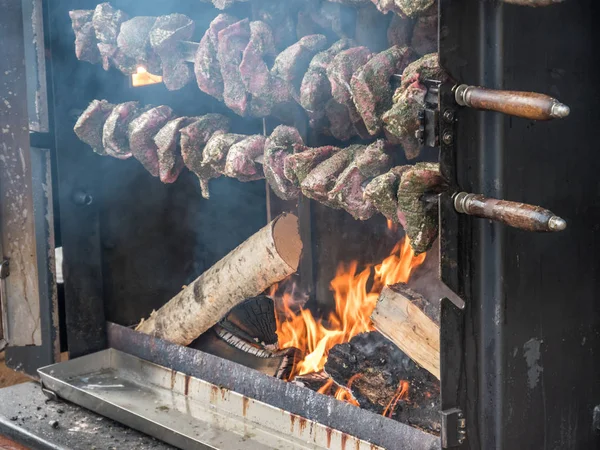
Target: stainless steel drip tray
(184,411)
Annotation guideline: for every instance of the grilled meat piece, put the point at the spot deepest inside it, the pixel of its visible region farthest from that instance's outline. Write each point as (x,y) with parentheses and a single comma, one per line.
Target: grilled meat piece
(277,148)
(382,192)
(292,63)
(107,24)
(206,63)
(170,162)
(279,16)
(193,140)
(410,8)
(297,166)
(253,68)
(339,121)
(80,17)
(86,44)
(89,125)
(420,220)
(164,35)
(372,88)
(348,190)
(232,42)
(114,134)
(241,159)
(315,90)
(141,136)
(322,178)
(133,46)
(424,68)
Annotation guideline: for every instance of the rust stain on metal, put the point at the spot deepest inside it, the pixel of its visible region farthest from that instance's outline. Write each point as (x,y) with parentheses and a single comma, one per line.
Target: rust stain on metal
(245,404)
(224,392)
(344,440)
(373,447)
(292,422)
(329,431)
(356,444)
(214,391)
(302,424)
(173,378)
(187,385)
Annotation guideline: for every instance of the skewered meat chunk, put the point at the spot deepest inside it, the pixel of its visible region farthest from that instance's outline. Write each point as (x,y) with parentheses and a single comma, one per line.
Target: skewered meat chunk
(193,140)
(348,190)
(297,166)
(382,191)
(400,31)
(279,16)
(214,154)
(372,88)
(141,136)
(80,17)
(410,8)
(206,63)
(342,68)
(89,125)
(86,44)
(170,162)
(253,68)
(115,139)
(133,46)
(426,67)
(164,35)
(292,63)
(107,24)
(419,219)
(231,44)
(241,159)
(322,178)
(340,123)
(277,147)
(315,90)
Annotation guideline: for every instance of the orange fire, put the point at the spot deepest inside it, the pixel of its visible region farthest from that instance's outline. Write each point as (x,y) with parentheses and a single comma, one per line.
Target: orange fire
(354,303)
(401,394)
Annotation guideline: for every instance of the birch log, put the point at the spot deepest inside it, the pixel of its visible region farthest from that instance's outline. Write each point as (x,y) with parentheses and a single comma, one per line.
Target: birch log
(412,323)
(267,257)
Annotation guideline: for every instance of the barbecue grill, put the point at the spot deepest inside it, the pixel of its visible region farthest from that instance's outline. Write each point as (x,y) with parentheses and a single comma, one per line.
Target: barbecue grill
(511,362)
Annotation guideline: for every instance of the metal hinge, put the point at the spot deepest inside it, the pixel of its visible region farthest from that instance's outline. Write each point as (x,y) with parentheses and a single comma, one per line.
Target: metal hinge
(454,428)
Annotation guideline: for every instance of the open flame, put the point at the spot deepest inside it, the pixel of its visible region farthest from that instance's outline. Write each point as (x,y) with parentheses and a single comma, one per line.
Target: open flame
(354,303)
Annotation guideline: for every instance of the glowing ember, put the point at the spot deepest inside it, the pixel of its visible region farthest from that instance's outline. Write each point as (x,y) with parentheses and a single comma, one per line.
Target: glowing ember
(354,303)
(143,78)
(345,394)
(401,394)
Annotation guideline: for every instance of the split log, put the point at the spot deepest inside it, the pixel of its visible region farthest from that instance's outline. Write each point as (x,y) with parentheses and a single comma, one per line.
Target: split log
(412,323)
(267,257)
(384,380)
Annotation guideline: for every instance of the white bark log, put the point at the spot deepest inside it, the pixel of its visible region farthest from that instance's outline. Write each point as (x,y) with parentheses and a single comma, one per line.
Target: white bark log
(411,323)
(267,257)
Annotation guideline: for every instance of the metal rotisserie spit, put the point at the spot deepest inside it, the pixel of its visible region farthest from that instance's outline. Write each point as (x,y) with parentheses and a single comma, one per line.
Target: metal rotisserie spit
(302,224)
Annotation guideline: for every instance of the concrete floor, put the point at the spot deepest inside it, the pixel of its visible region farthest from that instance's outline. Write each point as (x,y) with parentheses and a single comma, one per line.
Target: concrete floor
(9,377)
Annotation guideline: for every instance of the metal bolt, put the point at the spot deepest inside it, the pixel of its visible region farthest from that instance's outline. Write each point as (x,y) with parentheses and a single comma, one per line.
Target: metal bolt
(448,138)
(449,116)
(82,198)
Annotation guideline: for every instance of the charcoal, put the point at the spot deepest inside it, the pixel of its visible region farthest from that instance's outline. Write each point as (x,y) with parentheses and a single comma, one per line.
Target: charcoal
(322,178)
(279,16)
(80,17)
(348,190)
(206,63)
(419,219)
(340,124)
(170,162)
(241,159)
(291,64)
(424,38)
(193,140)
(410,8)
(86,44)
(141,136)
(114,134)
(315,90)
(91,122)
(253,68)
(382,191)
(372,88)
(107,24)
(133,44)
(231,43)
(304,160)
(164,36)
(400,31)
(278,146)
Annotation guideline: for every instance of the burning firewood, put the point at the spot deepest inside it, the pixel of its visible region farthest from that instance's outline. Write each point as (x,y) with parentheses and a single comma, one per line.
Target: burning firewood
(412,323)
(385,380)
(267,257)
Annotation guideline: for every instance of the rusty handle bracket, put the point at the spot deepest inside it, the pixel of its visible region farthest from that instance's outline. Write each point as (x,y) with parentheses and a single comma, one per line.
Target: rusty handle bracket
(529,105)
(518,215)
